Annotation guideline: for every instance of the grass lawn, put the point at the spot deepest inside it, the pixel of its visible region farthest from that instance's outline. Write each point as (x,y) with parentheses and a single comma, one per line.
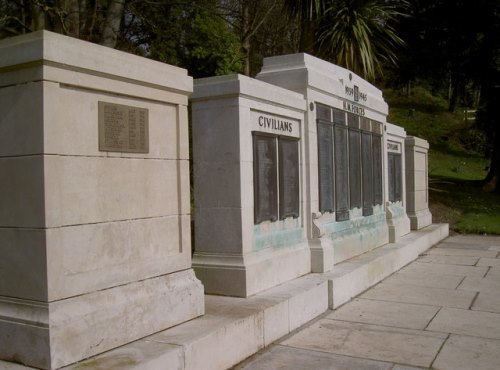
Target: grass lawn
(455,167)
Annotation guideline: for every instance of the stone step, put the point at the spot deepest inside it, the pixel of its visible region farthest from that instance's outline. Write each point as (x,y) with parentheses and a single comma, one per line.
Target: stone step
(235,328)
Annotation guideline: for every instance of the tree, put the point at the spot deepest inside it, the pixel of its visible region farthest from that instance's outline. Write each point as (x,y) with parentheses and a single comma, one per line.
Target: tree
(92,20)
(246,18)
(356,34)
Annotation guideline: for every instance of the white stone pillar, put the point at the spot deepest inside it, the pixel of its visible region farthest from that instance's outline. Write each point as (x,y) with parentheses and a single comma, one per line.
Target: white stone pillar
(395,191)
(94,202)
(237,252)
(417,183)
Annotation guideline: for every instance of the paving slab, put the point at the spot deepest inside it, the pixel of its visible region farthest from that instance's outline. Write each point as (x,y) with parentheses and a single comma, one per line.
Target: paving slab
(466,353)
(467,322)
(402,315)
(493,271)
(404,346)
(402,367)
(475,240)
(420,295)
(494,248)
(494,262)
(433,280)
(488,284)
(487,302)
(462,252)
(449,260)
(440,268)
(289,358)
(11,366)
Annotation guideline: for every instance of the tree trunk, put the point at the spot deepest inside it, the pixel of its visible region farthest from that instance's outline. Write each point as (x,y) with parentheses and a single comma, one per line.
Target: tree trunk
(112,23)
(307,39)
(245,40)
(73,18)
(38,19)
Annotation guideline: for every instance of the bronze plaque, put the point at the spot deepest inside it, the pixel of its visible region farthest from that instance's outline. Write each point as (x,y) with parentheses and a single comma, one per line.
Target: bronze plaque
(289,177)
(325,166)
(341,173)
(265,178)
(123,128)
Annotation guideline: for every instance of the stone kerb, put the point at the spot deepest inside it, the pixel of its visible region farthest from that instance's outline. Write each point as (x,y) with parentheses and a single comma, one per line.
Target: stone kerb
(417,190)
(395,191)
(333,239)
(249,185)
(95,203)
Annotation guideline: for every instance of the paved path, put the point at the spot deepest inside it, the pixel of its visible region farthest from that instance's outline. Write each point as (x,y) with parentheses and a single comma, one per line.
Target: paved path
(441,311)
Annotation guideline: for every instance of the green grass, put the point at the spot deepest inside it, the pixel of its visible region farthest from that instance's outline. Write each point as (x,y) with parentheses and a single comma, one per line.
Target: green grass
(456,166)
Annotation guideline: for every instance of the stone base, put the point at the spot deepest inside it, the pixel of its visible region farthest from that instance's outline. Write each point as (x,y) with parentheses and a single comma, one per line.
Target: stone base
(322,255)
(243,276)
(51,335)
(398,227)
(350,278)
(397,222)
(359,241)
(250,324)
(420,219)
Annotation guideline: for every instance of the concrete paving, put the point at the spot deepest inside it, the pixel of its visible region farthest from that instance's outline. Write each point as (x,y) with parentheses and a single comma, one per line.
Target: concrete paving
(442,311)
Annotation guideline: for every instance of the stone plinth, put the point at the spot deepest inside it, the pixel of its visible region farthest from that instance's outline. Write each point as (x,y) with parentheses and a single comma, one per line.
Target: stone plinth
(335,232)
(395,191)
(417,190)
(95,244)
(244,241)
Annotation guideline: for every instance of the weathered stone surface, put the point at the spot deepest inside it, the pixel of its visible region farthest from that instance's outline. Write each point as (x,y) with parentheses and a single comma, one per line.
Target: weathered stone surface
(493,262)
(141,355)
(401,315)
(411,347)
(432,280)
(449,260)
(467,322)
(95,245)
(488,284)
(489,302)
(283,357)
(465,353)
(420,295)
(455,270)
(443,251)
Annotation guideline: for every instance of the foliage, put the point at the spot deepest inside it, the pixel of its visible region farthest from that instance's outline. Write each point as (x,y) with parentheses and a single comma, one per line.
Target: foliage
(455,171)
(360,35)
(356,34)
(211,48)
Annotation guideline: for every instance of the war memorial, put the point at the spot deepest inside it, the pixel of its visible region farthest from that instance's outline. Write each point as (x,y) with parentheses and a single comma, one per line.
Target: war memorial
(303,197)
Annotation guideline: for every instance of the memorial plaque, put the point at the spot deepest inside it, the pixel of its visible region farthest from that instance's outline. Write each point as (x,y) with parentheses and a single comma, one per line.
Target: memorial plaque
(338,116)
(265,178)
(325,164)
(352,120)
(394,170)
(378,196)
(377,127)
(289,177)
(365,124)
(341,173)
(355,168)
(123,128)
(367,172)
(323,112)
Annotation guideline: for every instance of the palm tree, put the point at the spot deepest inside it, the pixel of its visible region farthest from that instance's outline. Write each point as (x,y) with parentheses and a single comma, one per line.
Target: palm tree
(356,34)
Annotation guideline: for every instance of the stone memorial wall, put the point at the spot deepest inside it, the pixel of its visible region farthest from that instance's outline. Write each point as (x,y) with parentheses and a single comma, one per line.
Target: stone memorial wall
(345,157)
(396,203)
(95,203)
(248,153)
(417,185)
